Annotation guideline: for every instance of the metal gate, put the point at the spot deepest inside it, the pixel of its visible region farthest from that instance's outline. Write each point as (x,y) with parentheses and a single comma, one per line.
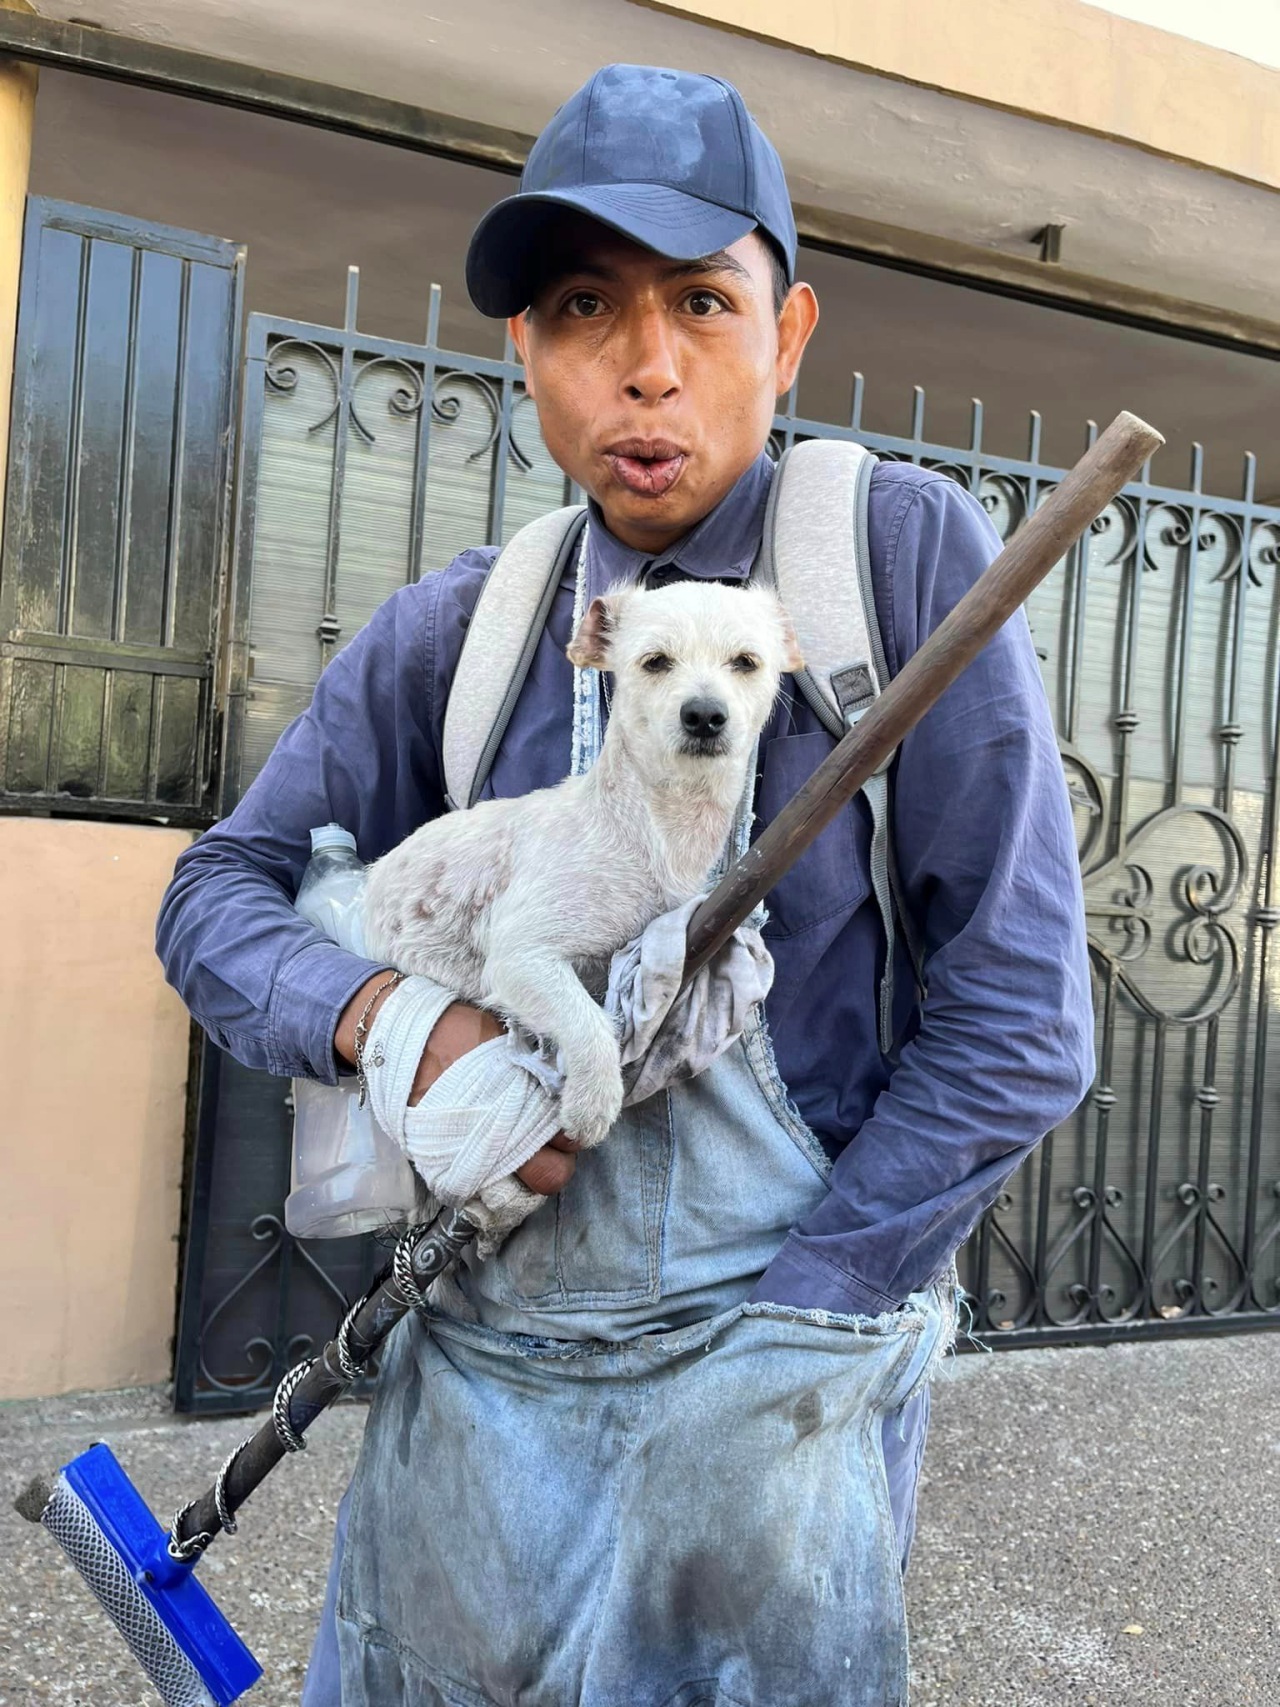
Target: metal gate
(118,506)
(1156,1209)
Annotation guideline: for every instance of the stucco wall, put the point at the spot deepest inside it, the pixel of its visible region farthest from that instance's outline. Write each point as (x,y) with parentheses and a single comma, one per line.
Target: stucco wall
(92,1105)
(1075,64)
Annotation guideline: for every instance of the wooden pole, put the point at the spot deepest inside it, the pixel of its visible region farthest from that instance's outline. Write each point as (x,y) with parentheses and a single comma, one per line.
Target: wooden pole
(1042,540)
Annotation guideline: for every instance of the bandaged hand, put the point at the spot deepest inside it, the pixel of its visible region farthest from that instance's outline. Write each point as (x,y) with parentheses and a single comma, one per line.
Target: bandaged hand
(466,1113)
(491,1099)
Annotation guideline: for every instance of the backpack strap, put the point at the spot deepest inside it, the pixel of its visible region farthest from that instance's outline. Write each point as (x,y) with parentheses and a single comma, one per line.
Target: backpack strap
(498,649)
(815,526)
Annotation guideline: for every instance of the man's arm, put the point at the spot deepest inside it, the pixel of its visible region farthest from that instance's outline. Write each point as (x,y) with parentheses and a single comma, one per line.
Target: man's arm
(265,984)
(268,987)
(987,856)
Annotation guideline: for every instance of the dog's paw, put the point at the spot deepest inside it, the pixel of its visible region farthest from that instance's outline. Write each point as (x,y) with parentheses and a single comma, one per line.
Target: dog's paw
(590,1103)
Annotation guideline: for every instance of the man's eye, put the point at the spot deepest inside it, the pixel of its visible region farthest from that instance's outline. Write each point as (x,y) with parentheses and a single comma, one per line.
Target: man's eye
(744,663)
(656,664)
(583,305)
(704,304)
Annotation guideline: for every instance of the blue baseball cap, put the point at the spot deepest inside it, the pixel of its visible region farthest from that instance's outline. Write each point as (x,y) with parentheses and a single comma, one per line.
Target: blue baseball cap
(671,159)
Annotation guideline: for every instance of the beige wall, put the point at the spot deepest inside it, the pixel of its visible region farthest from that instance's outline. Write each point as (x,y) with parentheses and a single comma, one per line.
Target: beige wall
(1072,63)
(91,1107)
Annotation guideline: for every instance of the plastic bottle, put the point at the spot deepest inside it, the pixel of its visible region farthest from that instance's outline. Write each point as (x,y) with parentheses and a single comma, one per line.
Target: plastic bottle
(348,1175)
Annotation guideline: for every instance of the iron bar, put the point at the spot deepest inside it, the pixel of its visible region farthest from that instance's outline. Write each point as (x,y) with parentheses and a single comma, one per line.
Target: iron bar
(1104,1100)
(1151,1184)
(128,439)
(1207,1096)
(1183,602)
(422,441)
(1265,919)
(67,578)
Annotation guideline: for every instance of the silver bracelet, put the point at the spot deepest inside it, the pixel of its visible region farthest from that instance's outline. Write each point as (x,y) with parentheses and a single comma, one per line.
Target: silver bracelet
(362,1034)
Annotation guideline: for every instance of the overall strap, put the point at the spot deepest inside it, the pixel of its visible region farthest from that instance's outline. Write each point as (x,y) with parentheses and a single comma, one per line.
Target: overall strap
(816,554)
(498,649)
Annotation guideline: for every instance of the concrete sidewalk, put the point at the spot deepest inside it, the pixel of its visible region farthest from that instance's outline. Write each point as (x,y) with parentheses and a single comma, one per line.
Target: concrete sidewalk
(1098,1529)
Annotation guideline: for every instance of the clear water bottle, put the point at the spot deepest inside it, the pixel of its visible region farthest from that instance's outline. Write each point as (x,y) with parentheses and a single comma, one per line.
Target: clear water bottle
(331,894)
(348,1175)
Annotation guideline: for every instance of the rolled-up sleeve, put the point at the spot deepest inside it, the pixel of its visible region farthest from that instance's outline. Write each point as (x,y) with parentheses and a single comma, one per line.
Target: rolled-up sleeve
(262,982)
(986,853)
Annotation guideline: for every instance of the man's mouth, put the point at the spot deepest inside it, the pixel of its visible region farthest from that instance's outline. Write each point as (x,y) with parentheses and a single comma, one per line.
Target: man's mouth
(650,467)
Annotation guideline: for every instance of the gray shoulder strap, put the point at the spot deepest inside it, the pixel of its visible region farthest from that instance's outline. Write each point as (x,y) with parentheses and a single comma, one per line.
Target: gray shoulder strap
(500,642)
(817,555)
(817,518)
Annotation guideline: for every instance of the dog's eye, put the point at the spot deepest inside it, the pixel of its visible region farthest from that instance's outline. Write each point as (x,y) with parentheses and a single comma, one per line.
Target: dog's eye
(744,663)
(656,664)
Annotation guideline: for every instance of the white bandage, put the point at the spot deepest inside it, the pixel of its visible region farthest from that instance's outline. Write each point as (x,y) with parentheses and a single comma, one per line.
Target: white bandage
(483,1118)
(394,1046)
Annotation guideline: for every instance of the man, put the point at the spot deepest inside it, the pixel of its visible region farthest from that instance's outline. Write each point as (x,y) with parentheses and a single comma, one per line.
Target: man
(663,1448)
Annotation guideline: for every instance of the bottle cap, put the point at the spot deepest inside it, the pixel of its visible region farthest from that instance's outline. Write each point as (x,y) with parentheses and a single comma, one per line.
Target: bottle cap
(331,836)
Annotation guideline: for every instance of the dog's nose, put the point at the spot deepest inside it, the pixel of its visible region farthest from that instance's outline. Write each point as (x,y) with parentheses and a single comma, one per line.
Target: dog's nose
(703,717)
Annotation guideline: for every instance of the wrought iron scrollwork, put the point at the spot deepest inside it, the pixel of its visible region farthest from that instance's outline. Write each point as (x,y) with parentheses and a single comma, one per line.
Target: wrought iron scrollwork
(1112,536)
(263,1356)
(1264,550)
(1125,895)
(448,405)
(1203,1292)
(283,374)
(404,400)
(1004,498)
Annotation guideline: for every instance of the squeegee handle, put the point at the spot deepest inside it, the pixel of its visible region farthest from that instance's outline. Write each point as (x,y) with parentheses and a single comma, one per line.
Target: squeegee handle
(436,1251)
(1039,543)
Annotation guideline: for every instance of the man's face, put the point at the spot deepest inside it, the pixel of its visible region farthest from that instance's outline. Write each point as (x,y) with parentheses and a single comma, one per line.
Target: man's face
(656,380)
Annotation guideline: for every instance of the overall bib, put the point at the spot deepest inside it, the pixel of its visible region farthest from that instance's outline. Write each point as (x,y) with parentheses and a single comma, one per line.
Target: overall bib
(598,1477)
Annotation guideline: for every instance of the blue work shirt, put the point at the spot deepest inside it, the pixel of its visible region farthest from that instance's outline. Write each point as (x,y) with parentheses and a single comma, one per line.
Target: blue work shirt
(982,831)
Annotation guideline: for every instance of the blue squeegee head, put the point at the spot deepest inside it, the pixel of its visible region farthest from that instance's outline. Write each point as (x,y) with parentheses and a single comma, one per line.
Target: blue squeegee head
(174,1630)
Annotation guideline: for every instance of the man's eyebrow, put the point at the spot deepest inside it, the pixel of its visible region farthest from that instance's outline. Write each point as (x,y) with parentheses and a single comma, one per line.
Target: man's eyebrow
(698,268)
(704,266)
(721,262)
(575,269)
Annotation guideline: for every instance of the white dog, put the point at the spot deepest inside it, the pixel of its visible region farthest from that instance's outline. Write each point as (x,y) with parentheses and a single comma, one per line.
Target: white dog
(508,903)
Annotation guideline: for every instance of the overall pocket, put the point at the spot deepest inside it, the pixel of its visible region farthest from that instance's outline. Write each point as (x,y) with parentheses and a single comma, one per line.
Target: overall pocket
(904,1344)
(600,1240)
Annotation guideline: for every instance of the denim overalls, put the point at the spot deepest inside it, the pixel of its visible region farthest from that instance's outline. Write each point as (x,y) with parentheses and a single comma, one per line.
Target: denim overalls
(598,1477)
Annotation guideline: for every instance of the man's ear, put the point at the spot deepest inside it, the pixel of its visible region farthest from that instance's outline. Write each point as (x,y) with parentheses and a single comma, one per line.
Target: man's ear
(590,646)
(795,327)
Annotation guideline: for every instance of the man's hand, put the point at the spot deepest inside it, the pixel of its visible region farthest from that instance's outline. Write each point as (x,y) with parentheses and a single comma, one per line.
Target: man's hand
(459,1029)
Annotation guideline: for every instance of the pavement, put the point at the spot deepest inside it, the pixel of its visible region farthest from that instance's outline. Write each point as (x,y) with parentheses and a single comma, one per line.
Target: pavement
(1098,1528)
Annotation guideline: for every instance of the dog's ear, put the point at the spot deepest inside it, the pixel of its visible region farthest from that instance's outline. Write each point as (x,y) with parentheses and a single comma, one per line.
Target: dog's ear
(589,648)
(792,657)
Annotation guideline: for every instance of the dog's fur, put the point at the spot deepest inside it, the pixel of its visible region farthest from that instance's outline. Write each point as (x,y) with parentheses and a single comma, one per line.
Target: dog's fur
(508,903)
